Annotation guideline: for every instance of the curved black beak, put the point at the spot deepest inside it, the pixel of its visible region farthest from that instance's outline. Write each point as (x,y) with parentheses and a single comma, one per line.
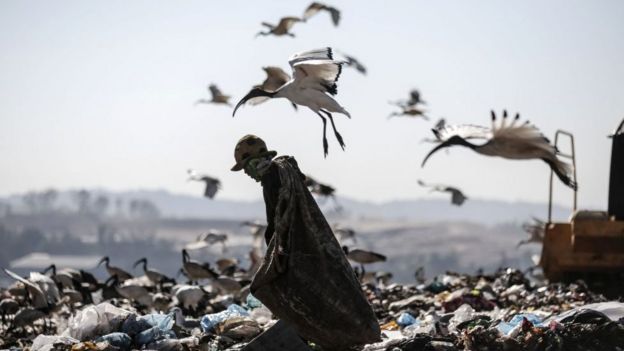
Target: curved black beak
(51,267)
(142,260)
(104,259)
(441,146)
(255,92)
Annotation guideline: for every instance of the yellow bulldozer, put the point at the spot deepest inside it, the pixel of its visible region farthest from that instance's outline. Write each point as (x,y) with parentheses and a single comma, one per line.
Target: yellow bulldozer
(591,244)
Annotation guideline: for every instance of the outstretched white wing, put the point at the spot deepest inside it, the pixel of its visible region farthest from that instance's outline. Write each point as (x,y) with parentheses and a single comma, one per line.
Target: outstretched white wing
(316,70)
(465,131)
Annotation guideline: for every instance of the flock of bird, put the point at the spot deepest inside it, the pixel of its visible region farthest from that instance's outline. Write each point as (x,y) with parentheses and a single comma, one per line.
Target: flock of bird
(43,294)
(313,84)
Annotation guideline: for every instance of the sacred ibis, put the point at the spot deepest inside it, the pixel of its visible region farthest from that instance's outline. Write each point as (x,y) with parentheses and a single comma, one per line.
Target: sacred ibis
(457,197)
(207,239)
(212,184)
(132,291)
(282,28)
(153,275)
(363,257)
(535,231)
(315,75)
(64,277)
(8,307)
(410,111)
(319,188)
(344,233)
(195,270)
(115,271)
(276,77)
(413,100)
(217,97)
(353,62)
(316,7)
(516,141)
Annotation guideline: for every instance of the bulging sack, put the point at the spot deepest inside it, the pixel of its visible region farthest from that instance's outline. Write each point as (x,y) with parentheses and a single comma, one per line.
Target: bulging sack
(305,278)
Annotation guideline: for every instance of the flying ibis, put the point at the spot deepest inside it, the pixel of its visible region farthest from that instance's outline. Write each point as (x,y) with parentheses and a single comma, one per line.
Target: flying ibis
(316,7)
(363,257)
(315,75)
(217,97)
(355,63)
(319,188)
(276,77)
(457,197)
(511,140)
(413,100)
(535,231)
(344,233)
(410,111)
(207,239)
(212,184)
(282,28)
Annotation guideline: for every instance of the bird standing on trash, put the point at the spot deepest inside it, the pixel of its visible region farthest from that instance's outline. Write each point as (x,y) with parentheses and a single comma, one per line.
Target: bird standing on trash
(315,74)
(508,140)
(115,271)
(331,312)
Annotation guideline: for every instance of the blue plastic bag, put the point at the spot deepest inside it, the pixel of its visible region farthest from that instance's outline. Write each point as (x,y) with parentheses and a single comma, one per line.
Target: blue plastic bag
(119,340)
(209,321)
(507,327)
(406,319)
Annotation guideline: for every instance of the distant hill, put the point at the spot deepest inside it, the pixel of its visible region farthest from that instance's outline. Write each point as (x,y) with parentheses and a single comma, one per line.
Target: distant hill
(181,206)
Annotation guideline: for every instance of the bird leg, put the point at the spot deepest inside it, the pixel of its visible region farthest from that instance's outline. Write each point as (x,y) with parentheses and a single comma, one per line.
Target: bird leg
(325,146)
(338,136)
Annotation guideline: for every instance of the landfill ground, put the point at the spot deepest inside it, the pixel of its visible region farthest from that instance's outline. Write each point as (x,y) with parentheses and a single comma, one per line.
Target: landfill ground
(508,310)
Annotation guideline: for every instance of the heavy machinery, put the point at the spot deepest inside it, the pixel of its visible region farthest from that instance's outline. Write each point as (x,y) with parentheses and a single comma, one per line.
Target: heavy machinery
(591,244)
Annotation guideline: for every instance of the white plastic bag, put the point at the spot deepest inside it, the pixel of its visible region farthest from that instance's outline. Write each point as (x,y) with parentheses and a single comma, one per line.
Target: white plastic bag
(95,321)
(46,342)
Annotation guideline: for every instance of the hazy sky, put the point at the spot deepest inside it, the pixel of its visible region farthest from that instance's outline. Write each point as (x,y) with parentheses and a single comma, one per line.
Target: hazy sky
(100,94)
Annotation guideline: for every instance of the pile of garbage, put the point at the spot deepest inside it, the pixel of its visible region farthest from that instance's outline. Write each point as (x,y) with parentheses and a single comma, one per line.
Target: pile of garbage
(503,311)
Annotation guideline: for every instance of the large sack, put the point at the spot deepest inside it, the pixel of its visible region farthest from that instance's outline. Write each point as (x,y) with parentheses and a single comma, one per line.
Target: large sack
(305,278)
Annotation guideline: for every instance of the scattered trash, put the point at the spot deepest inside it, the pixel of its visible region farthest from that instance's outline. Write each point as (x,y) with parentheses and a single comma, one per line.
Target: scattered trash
(94,321)
(209,321)
(503,311)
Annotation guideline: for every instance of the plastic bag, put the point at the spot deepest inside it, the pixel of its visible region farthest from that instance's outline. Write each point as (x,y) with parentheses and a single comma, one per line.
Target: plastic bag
(462,314)
(93,321)
(46,342)
(509,328)
(406,319)
(209,321)
(153,334)
(118,340)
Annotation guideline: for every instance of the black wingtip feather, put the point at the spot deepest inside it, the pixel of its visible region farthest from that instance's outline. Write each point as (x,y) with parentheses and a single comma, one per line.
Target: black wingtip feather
(333,89)
(330,53)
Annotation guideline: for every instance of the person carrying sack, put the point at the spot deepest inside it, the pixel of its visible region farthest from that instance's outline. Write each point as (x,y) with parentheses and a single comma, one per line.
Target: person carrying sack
(305,278)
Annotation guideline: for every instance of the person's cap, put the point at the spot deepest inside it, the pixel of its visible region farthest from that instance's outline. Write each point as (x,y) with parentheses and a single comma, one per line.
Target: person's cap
(248,147)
